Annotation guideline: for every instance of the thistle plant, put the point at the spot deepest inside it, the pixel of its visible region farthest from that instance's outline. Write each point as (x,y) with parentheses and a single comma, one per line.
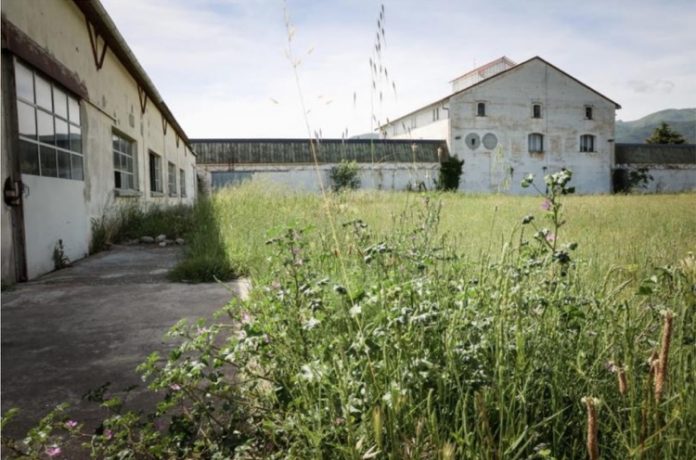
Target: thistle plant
(548,238)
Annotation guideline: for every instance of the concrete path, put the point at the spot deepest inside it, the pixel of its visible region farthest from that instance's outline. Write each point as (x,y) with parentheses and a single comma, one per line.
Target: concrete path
(75,329)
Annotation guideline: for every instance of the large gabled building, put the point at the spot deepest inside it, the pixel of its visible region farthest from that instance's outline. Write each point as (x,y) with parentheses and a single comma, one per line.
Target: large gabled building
(83,129)
(506,120)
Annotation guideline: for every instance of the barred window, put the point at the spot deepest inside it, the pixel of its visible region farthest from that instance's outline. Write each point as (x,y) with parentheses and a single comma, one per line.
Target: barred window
(50,133)
(182,182)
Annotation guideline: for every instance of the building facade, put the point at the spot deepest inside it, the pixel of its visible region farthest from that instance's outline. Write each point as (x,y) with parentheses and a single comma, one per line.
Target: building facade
(507,120)
(84,129)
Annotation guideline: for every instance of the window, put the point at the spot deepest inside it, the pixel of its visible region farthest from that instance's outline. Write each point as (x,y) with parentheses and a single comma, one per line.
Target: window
(50,134)
(536,111)
(587,143)
(481,109)
(155,172)
(413,122)
(171,177)
(436,114)
(588,112)
(124,162)
(182,182)
(536,143)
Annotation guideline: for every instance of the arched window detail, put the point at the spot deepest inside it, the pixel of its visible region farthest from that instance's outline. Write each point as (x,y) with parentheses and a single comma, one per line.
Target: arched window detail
(536,143)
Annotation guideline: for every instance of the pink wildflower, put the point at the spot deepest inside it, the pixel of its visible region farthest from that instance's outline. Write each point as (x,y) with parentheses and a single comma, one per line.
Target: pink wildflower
(53,451)
(108,434)
(175,387)
(546,205)
(246,318)
(70,424)
(550,237)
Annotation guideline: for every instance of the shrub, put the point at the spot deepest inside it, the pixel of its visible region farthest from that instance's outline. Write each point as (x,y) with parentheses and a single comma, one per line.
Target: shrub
(345,176)
(450,174)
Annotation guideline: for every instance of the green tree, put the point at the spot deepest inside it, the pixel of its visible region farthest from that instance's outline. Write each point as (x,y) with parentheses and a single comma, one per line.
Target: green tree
(664,134)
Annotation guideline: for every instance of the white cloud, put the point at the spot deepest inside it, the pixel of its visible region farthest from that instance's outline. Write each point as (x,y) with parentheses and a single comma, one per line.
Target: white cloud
(219,63)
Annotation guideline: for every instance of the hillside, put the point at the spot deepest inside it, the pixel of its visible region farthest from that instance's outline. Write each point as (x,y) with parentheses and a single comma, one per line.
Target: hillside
(681,120)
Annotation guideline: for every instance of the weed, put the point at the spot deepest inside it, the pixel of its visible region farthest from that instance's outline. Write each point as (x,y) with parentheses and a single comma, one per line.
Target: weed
(60,260)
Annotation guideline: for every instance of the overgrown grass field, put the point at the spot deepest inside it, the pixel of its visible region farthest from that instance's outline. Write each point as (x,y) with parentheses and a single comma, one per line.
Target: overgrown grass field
(627,232)
(426,326)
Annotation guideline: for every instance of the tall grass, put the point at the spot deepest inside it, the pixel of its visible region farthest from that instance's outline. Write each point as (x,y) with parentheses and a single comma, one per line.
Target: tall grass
(428,326)
(627,233)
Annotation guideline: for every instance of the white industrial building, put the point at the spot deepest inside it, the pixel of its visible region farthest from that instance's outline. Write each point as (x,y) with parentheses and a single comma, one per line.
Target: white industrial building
(507,120)
(83,129)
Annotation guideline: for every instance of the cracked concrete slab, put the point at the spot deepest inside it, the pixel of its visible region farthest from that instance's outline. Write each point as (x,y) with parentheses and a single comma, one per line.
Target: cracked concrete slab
(75,329)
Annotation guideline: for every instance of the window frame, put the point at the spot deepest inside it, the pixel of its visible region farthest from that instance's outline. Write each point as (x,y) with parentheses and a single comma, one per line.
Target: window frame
(589,112)
(534,111)
(171,179)
(588,143)
(155,172)
(481,109)
(535,138)
(436,114)
(68,160)
(133,155)
(182,182)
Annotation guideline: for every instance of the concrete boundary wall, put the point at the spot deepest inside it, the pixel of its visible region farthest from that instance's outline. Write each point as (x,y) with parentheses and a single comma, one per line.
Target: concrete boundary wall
(306,177)
(672,168)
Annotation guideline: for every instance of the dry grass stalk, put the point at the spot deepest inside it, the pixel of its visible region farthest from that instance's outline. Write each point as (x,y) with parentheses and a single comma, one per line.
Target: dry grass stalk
(662,362)
(623,384)
(620,372)
(592,444)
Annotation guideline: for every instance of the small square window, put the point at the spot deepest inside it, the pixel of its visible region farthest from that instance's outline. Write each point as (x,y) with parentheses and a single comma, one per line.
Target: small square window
(536,111)
(588,112)
(481,109)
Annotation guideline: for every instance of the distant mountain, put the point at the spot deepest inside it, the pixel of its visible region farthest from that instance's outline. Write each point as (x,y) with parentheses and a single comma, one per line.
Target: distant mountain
(680,120)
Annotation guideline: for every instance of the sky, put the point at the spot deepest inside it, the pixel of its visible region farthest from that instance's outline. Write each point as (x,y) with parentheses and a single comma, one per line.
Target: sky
(268,68)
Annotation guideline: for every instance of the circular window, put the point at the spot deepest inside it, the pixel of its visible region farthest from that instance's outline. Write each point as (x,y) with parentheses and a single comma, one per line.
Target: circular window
(472,141)
(490,141)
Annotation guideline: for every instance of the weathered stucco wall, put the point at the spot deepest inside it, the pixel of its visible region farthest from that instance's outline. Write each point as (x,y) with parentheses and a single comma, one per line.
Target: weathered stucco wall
(499,166)
(113,103)
(421,124)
